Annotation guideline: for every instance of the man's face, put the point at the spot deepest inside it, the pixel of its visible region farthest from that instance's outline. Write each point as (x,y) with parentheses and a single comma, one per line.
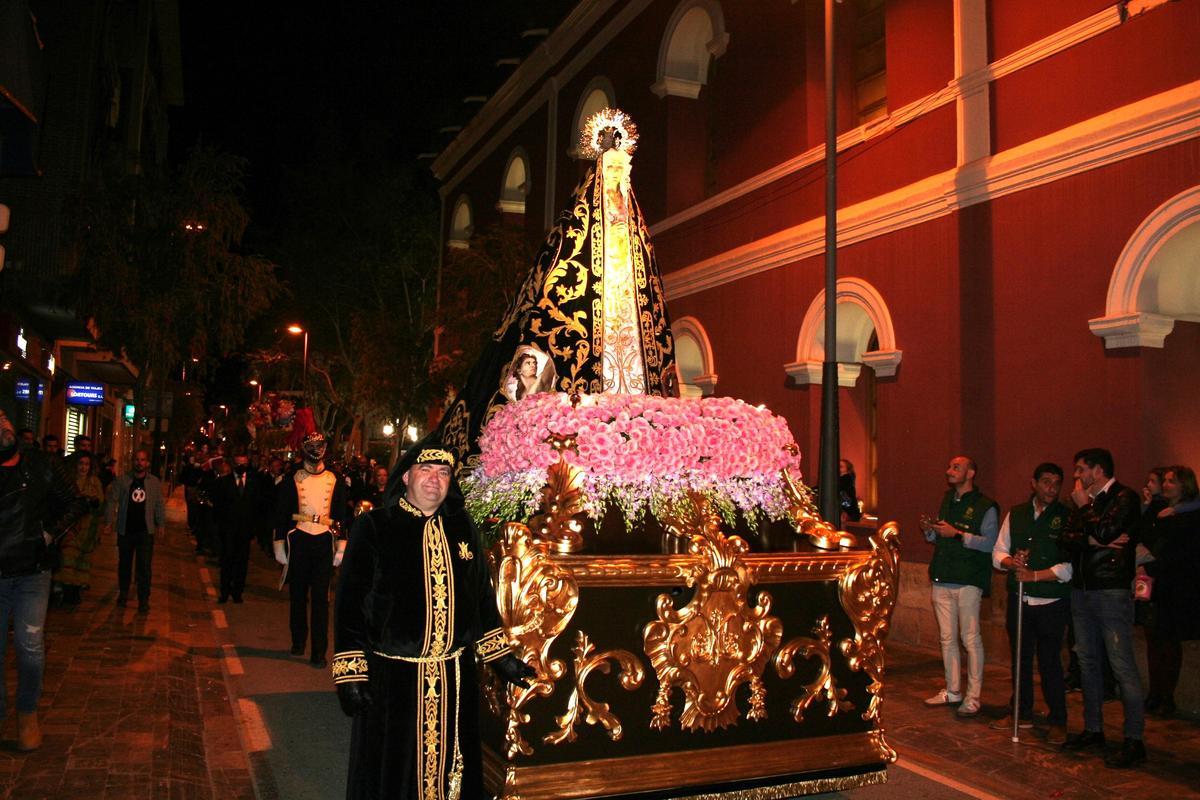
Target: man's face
(241,463)
(276,466)
(958,472)
(1087,476)
(84,444)
(141,462)
(50,446)
(381,477)
(27,439)
(1046,488)
(8,434)
(427,485)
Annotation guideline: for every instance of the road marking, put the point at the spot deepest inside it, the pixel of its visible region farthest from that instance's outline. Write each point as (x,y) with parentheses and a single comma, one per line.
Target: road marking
(219,618)
(232,661)
(257,738)
(937,777)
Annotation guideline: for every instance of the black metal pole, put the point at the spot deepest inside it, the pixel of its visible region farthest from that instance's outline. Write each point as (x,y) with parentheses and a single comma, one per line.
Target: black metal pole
(830,451)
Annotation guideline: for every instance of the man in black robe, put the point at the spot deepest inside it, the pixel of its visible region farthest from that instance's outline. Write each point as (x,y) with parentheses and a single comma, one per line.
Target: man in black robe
(415,607)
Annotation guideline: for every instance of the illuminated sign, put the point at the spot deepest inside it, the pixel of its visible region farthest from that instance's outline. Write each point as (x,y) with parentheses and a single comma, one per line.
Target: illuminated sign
(85,394)
(24,388)
(41,390)
(22,343)
(130,411)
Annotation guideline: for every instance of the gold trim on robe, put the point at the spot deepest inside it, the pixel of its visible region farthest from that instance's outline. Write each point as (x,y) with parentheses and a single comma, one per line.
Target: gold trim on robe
(492,645)
(349,666)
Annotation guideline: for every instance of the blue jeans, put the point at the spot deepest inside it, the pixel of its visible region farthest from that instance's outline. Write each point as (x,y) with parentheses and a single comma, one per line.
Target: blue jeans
(1104,623)
(23,599)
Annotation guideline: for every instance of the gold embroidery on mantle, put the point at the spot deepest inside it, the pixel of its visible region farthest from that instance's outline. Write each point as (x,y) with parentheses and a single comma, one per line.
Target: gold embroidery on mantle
(586,660)
(822,687)
(868,592)
(536,600)
(562,501)
(717,641)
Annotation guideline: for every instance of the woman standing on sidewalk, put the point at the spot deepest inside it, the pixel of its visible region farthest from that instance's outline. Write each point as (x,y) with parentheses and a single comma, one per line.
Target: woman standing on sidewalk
(76,568)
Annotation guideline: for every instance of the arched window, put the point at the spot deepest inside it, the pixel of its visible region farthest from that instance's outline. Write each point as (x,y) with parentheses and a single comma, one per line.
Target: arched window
(1156,281)
(516,183)
(597,95)
(695,35)
(693,358)
(461,223)
(862,317)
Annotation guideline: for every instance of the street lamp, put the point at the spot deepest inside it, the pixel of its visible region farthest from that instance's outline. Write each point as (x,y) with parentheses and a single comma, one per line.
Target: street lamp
(254,382)
(412,433)
(296,330)
(389,429)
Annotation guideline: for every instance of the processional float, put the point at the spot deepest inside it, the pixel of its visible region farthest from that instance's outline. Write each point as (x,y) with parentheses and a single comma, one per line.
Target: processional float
(696,628)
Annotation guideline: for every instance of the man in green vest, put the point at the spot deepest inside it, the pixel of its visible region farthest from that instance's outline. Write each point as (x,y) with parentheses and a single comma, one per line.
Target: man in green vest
(961,572)
(1029,548)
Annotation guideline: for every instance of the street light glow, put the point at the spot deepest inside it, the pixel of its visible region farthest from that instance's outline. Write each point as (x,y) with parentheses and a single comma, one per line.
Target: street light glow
(295,329)
(388,429)
(412,433)
(253,382)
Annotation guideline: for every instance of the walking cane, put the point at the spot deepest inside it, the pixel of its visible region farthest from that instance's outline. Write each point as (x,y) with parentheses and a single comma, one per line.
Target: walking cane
(1016,737)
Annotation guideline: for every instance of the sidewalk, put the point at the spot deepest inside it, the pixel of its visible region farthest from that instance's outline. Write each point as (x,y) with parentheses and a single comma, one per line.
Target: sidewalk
(134,706)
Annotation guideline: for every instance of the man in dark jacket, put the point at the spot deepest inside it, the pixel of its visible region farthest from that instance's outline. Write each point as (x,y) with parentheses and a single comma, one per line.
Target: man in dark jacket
(240,505)
(1099,537)
(137,512)
(38,504)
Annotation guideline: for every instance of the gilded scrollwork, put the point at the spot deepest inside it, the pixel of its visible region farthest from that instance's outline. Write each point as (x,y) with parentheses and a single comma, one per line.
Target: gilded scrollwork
(806,518)
(594,712)
(536,599)
(868,593)
(822,687)
(558,524)
(717,641)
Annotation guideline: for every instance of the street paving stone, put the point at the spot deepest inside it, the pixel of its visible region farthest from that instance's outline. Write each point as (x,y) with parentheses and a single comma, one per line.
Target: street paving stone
(143,707)
(134,706)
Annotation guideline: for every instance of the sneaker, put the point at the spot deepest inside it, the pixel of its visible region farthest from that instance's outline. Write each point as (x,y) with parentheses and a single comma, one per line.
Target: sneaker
(1005,723)
(943,698)
(969,708)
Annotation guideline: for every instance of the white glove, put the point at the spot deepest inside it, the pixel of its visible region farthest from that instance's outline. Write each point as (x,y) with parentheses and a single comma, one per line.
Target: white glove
(337,558)
(280,555)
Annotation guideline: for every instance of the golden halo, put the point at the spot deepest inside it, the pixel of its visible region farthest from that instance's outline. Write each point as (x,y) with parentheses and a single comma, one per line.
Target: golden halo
(608,120)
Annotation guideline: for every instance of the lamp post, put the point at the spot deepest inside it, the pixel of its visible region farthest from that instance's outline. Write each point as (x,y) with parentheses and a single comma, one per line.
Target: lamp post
(830,455)
(254,382)
(296,330)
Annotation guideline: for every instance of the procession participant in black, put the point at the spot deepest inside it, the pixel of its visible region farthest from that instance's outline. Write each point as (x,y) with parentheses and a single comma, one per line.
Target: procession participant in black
(310,510)
(415,605)
(240,505)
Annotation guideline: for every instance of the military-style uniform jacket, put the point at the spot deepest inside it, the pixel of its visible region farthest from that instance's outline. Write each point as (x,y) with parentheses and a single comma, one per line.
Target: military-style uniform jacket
(309,503)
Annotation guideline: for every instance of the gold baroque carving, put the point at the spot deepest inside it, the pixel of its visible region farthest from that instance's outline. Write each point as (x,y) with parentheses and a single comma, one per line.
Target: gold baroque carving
(807,519)
(822,687)
(562,501)
(586,659)
(675,569)
(717,641)
(869,593)
(536,599)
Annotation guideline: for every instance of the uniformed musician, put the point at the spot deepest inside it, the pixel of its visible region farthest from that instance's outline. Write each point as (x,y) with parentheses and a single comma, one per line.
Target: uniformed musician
(309,542)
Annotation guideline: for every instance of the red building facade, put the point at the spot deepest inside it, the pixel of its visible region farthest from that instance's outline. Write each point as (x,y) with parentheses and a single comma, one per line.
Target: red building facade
(1019,217)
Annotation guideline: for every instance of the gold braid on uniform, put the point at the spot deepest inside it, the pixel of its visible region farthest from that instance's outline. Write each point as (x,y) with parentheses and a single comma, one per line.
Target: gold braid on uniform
(493,645)
(349,666)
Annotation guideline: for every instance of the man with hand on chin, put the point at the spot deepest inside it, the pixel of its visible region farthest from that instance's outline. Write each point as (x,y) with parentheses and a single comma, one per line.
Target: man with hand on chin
(415,607)
(1103,561)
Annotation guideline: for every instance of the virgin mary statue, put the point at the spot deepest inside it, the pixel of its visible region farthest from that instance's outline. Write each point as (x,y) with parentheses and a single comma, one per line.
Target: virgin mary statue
(591,313)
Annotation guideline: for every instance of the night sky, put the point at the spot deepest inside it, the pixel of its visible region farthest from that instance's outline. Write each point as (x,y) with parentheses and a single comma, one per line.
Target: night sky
(363,78)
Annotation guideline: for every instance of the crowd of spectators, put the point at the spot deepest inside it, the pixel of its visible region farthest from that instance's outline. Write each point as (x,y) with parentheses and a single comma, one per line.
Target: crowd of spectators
(1079,570)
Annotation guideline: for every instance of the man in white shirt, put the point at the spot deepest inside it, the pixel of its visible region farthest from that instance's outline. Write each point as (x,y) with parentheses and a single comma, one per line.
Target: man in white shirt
(1029,548)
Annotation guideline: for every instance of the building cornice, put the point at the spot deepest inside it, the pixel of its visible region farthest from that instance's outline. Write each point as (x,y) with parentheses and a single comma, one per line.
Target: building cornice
(1132,130)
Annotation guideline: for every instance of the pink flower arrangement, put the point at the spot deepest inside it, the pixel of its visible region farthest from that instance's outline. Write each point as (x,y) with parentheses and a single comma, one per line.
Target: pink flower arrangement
(640,452)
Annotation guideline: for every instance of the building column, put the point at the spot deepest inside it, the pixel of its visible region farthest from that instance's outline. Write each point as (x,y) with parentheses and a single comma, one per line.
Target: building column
(973,106)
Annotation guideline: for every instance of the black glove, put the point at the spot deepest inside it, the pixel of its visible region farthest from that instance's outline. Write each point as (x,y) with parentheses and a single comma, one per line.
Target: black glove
(514,670)
(355,697)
